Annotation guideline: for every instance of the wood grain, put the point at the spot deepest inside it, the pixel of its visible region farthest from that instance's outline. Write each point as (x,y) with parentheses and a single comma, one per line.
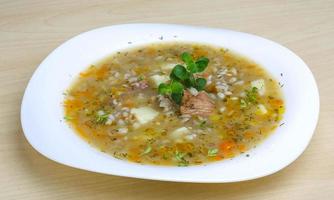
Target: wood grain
(30,30)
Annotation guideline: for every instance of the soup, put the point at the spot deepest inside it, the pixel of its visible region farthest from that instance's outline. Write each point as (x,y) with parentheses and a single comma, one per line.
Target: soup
(174,104)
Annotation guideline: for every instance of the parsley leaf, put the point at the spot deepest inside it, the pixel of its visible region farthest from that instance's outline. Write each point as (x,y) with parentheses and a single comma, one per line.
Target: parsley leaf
(183,77)
(200,84)
(180,72)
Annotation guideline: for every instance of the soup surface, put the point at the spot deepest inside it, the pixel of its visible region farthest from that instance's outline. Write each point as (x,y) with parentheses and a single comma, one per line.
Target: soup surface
(135,105)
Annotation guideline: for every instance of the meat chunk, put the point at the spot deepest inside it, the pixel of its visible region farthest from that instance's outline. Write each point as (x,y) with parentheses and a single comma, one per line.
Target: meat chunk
(200,104)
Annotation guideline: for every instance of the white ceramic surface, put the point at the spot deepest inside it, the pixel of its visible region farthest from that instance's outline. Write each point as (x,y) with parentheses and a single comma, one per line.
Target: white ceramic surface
(42,112)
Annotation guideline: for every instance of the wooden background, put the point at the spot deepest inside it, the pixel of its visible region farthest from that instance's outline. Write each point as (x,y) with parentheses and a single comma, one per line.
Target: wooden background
(30,30)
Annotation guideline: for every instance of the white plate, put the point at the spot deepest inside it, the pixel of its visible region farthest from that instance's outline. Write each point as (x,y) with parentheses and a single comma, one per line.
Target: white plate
(42,112)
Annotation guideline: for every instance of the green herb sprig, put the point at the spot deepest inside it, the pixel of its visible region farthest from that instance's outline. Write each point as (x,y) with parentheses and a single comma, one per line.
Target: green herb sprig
(101,118)
(180,157)
(252,95)
(183,77)
(251,98)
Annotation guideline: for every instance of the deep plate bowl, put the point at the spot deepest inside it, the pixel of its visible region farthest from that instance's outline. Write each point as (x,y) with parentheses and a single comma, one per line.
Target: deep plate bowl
(42,111)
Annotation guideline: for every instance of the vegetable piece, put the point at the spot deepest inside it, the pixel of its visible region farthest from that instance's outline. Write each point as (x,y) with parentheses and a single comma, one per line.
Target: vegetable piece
(276,102)
(184,76)
(179,133)
(129,103)
(213,152)
(200,84)
(179,156)
(168,67)
(159,79)
(251,95)
(202,63)
(122,130)
(215,117)
(202,124)
(251,98)
(177,97)
(144,114)
(68,118)
(243,103)
(195,67)
(261,109)
(193,91)
(165,89)
(179,72)
(227,145)
(147,150)
(176,87)
(191,66)
(101,117)
(260,85)
(190,82)
(242,147)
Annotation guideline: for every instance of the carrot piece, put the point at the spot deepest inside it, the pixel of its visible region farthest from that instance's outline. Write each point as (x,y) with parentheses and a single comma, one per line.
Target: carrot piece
(73,104)
(198,52)
(218,157)
(134,154)
(276,102)
(242,147)
(88,73)
(227,146)
(151,51)
(205,75)
(85,93)
(102,72)
(184,147)
(248,135)
(129,103)
(211,88)
(85,74)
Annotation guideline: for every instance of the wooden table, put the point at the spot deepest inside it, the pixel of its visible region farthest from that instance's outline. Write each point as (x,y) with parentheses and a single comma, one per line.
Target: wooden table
(30,30)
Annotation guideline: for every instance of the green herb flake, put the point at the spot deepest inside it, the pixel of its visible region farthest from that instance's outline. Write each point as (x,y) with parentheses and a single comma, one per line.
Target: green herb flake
(252,95)
(101,117)
(179,156)
(183,163)
(140,78)
(243,103)
(165,157)
(68,118)
(213,152)
(147,150)
(202,124)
